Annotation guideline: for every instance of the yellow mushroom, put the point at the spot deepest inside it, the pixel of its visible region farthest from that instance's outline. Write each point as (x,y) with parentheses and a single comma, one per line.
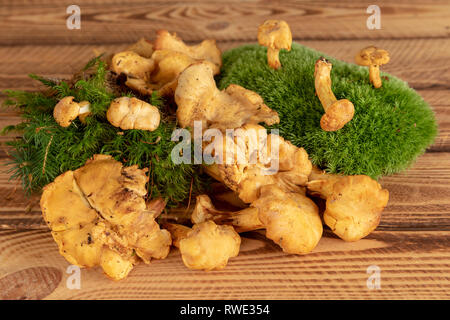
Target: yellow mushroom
(131,113)
(353,203)
(206,50)
(207,246)
(337,112)
(275,35)
(98,217)
(142,47)
(242,221)
(67,110)
(374,58)
(199,99)
(133,65)
(290,219)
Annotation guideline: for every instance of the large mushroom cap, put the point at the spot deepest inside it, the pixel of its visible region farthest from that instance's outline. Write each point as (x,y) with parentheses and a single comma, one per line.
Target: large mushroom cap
(337,115)
(98,217)
(372,56)
(354,209)
(65,111)
(275,34)
(354,203)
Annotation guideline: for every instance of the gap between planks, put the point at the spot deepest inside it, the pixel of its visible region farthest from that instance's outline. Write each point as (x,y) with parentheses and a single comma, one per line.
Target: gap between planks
(105,21)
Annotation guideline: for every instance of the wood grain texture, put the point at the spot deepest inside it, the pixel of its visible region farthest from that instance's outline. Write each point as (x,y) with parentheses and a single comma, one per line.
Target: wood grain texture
(413,265)
(44,22)
(411,245)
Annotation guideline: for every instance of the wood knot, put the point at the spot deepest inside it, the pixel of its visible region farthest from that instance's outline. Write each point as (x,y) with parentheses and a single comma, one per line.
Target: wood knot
(30,284)
(219,25)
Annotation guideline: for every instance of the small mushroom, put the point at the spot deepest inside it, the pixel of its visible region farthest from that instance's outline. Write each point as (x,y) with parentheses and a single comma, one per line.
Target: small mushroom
(275,35)
(206,50)
(131,113)
(207,246)
(67,110)
(374,58)
(337,112)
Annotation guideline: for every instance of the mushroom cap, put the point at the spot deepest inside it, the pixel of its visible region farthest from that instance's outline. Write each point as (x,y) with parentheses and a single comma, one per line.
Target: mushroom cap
(132,64)
(206,50)
(98,217)
(354,207)
(65,111)
(170,65)
(142,47)
(337,115)
(208,246)
(291,219)
(372,56)
(198,99)
(132,113)
(275,34)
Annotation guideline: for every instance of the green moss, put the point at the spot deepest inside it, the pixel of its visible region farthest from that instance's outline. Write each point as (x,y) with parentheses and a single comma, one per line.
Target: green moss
(391,127)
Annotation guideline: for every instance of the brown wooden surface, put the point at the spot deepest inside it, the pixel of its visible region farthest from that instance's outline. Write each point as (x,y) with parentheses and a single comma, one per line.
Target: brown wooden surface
(411,245)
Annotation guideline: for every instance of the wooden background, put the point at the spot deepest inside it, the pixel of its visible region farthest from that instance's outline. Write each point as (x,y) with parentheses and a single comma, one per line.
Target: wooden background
(411,245)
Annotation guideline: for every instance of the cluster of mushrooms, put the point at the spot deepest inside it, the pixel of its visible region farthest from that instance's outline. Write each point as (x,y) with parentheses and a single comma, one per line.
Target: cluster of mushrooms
(98,214)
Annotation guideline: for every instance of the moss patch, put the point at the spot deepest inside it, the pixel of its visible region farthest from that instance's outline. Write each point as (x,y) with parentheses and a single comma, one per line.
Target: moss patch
(391,127)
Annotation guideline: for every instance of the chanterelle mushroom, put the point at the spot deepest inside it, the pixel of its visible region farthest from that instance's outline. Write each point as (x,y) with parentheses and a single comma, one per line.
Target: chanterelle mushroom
(374,58)
(131,113)
(198,99)
(353,203)
(133,65)
(258,159)
(142,47)
(206,50)
(275,35)
(291,219)
(244,220)
(98,217)
(67,110)
(337,112)
(206,246)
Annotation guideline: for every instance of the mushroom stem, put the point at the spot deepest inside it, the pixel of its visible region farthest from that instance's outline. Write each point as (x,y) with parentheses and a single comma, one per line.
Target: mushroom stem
(322,83)
(374,75)
(177,231)
(85,107)
(337,112)
(273,58)
(242,221)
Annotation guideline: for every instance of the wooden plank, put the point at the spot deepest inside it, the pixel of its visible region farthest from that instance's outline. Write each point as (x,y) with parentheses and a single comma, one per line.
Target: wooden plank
(33,22)
(418,199)
(423,69)
(414,265)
